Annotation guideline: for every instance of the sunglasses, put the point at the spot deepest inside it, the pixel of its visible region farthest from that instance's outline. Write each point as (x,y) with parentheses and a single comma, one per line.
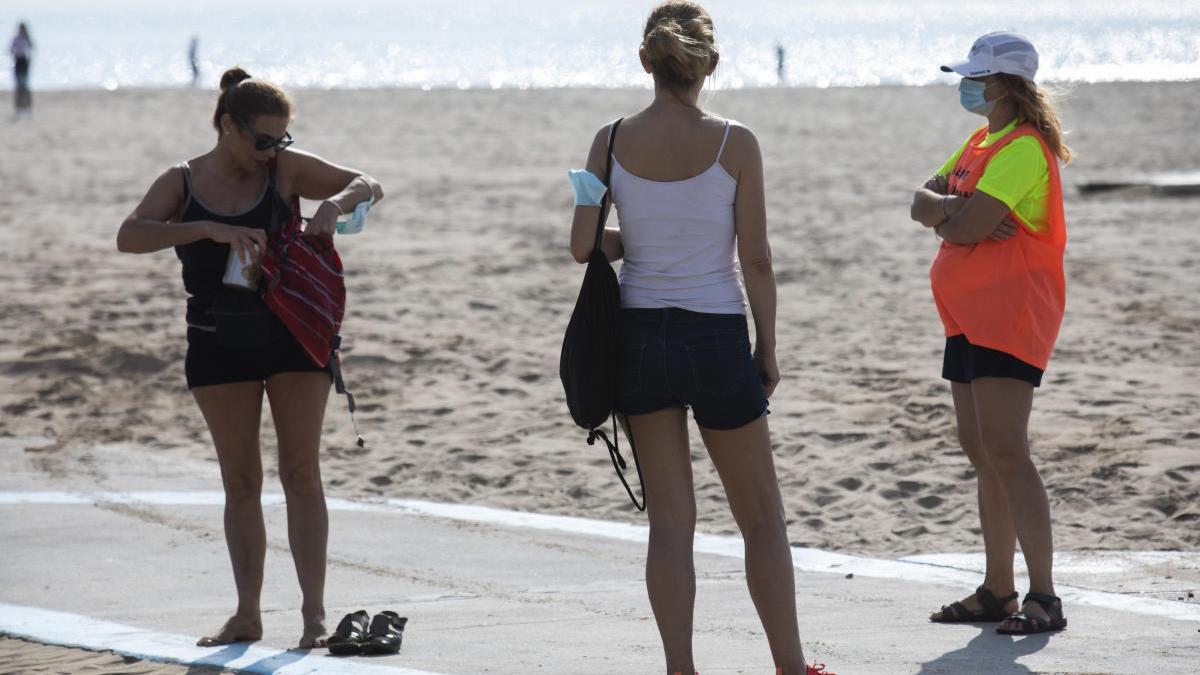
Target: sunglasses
(264,142)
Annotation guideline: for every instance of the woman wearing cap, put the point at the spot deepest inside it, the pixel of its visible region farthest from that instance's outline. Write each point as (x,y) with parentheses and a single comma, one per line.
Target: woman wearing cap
(212,207)
(999,289)
(688,187)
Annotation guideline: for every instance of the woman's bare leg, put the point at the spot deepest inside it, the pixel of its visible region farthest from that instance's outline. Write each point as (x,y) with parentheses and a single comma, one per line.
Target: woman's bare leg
(298,408)
(1003,406)
(747,468)
(233,413)
(999,535)
(662,449)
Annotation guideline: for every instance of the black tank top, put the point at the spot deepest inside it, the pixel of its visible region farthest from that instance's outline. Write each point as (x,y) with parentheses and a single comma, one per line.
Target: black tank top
(204,260)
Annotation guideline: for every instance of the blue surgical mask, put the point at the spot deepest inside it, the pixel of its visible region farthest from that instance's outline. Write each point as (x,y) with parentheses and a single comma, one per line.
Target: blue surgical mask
(358,218)
(589,190)
(970,94)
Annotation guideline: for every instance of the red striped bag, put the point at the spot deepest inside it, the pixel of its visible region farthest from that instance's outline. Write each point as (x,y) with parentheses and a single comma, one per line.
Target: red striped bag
(304,285)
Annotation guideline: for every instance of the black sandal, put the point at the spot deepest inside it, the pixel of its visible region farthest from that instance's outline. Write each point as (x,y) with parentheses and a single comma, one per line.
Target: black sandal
(386,634)
(1032,624)
(348,639)
(992,608)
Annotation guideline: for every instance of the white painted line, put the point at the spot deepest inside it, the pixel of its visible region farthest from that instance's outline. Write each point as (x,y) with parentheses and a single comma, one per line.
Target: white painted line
(933,569)
(73,630)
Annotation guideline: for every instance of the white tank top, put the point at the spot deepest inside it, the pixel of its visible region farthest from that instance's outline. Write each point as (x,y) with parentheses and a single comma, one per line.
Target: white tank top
(678,238)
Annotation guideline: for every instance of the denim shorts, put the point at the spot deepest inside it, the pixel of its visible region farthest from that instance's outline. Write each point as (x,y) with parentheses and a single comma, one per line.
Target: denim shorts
(675,358)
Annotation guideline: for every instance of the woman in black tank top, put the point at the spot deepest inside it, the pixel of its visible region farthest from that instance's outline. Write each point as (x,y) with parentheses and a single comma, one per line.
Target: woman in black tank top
(224,203)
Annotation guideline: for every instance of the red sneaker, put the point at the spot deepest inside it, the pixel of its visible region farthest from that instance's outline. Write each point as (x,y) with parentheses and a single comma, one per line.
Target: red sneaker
(818,669)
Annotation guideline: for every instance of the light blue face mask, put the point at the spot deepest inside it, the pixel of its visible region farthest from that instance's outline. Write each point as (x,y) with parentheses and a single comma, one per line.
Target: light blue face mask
(357,220)
(589,190)
(971,96)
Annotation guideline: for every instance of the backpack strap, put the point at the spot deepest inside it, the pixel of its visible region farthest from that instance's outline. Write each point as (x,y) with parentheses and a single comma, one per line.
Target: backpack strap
(612,137)
(339,386)
(614,454)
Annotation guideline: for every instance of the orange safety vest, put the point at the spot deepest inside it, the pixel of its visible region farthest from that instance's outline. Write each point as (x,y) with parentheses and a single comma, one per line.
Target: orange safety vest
(1004,295)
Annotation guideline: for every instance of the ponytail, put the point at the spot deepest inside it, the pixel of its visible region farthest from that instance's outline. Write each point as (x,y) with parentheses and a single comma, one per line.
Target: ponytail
(1035,105)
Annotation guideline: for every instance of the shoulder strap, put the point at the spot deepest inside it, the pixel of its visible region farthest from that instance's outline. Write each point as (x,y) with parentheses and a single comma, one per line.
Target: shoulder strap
(273,186)
(272,168)
(612,137)
(187,184)
(724,139)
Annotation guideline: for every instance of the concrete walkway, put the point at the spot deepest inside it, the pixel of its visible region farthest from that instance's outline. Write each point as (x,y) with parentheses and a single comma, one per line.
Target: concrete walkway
(135,557)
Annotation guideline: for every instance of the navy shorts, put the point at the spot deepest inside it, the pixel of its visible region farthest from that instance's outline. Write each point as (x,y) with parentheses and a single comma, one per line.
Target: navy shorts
(675,358)
(209,362)
(964,362)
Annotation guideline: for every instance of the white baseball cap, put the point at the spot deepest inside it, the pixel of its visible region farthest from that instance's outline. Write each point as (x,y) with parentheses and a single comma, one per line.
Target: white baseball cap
(1000,52)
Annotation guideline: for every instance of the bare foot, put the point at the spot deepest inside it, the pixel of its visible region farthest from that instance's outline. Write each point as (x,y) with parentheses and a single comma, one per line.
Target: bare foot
(974,606)
(237,629)
(315,636)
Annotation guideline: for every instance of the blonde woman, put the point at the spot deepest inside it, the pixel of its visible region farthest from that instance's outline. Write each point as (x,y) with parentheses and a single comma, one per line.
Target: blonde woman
(688,187)
(999,288)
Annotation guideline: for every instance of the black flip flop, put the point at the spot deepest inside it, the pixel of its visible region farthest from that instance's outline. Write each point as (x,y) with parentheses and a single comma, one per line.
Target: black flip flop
(1031,625)
(991,608)
(348,639)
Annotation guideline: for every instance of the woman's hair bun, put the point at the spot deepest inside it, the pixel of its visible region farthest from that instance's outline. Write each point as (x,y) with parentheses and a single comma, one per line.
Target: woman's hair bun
(678,42)
(254,98)
(232,77)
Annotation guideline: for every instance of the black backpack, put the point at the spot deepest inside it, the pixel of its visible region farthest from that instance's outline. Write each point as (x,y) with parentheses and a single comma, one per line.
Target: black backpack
(588,363)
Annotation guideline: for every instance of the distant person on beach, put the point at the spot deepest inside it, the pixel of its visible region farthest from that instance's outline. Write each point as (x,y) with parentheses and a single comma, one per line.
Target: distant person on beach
(780,56)
(22,54)
(212,207)
(688,188)
(194,59)
(999,288)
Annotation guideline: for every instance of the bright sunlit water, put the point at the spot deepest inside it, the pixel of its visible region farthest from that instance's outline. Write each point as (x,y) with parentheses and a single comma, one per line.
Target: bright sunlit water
(539,43)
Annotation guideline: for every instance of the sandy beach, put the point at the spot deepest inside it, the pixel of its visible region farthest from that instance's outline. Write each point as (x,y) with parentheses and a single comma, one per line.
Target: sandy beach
(461,286)
(31,658)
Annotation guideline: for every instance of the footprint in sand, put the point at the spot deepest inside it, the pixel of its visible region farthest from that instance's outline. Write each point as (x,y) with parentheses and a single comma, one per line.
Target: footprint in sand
(19,409)
(850,484)
(930,502)
(838,437)
(911,486)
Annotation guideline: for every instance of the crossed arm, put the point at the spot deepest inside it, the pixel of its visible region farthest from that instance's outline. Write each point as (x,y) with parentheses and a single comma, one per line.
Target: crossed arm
(961,220)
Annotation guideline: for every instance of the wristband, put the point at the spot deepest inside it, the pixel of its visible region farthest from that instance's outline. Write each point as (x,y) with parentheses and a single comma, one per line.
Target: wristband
(335,205)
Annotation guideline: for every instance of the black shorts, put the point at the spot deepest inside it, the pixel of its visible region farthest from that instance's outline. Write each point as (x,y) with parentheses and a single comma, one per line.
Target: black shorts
(675,358)
(209,362)
(964,362)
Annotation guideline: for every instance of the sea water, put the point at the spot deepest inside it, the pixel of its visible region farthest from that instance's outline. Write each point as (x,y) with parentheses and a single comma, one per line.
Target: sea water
(472,44)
